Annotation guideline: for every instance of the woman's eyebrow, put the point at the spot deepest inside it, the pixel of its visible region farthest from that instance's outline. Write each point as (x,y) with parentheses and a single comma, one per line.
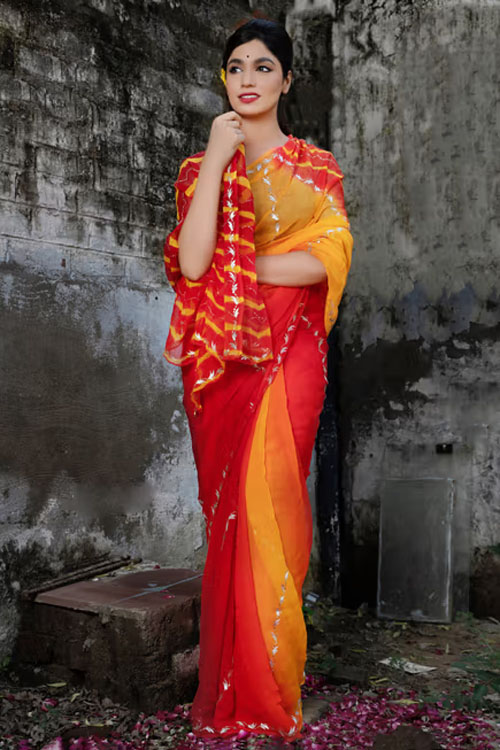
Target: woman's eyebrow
(259,60)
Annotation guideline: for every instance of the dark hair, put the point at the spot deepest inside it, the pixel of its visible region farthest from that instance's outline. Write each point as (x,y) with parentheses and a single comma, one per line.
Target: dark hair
(278,42)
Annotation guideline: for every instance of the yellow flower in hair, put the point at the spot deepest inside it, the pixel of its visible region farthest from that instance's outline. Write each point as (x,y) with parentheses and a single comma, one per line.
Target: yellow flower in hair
(223,76)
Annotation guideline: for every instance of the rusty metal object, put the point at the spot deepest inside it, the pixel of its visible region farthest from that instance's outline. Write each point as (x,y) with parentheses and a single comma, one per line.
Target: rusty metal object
(97,568)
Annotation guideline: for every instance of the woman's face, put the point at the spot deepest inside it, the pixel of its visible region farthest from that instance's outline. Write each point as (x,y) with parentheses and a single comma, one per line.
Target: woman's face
(254,79)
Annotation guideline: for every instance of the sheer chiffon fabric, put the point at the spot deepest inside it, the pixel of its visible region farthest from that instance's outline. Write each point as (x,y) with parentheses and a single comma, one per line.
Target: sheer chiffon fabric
(253,426)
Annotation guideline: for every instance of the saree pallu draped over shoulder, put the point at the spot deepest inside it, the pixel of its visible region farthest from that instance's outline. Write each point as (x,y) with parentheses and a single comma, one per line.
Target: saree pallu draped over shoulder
(253,362)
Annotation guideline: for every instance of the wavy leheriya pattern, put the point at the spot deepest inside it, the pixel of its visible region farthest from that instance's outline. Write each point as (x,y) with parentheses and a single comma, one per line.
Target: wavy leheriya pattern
(221,317)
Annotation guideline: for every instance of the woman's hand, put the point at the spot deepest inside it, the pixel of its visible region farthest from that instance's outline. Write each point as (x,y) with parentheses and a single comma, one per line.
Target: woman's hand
(225,137)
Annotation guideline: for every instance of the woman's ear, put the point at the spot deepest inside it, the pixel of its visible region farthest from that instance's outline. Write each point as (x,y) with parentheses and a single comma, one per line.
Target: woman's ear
(287,83)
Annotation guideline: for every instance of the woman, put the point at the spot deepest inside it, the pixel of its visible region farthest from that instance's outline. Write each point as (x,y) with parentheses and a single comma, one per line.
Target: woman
(258,260)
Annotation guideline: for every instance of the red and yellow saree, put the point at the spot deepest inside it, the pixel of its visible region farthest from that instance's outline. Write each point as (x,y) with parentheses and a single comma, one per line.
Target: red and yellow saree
(253,362)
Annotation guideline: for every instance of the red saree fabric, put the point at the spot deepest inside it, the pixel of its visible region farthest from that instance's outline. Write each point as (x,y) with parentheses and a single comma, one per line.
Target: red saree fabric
(253,426)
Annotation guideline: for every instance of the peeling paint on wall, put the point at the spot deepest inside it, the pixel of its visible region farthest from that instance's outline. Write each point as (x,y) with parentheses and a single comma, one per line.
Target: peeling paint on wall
(413,125)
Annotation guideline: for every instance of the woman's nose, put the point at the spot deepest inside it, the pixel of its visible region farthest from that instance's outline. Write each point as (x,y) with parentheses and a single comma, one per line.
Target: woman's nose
(248,77)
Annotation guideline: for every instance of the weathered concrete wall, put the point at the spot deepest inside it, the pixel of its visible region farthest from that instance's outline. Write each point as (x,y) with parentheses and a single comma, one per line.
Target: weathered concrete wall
(99,102)
(415,126)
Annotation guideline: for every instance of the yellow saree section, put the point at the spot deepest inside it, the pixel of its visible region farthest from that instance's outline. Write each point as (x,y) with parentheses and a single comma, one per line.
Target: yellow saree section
(280,536)
(299,205)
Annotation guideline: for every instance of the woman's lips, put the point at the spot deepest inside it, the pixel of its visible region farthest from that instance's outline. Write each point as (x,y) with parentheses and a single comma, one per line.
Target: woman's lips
(249,97)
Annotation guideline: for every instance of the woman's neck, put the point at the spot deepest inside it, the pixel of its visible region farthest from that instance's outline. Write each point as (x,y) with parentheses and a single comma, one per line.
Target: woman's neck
(261,135)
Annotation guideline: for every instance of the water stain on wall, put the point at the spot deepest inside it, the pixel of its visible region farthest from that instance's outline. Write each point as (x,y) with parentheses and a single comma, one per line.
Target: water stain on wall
(76,405)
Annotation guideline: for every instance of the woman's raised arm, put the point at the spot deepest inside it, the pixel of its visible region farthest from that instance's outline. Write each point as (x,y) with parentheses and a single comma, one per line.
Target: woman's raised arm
(198,235)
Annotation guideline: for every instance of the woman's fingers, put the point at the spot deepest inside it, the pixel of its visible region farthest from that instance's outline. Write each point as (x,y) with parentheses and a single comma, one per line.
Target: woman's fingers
(234,118)
(225,136)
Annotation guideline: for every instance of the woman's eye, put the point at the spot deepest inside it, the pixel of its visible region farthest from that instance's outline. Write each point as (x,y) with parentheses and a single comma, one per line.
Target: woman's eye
(235,68)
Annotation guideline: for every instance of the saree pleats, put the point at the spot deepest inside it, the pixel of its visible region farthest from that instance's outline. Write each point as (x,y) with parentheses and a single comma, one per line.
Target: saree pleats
(254,370)
(252,636)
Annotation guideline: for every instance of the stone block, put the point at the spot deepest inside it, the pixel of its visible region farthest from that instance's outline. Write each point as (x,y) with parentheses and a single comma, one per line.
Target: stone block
(3,250)
(110,236)
(47,130)
(114,122)
(13,18)
(12,89)
(98,264)
(7,182)
(154,242)
(144,98)
(49,258)
(116,177)
(88,73)
(61,42)
(12,150)
(83,109)
(54,191)
(104,204)
(15,219)
(54,161)
(113,148)
(31,61)
(200,99)
(145,272)
(51,225)
(45,65)
(147,214)
(151,99)
(132,637)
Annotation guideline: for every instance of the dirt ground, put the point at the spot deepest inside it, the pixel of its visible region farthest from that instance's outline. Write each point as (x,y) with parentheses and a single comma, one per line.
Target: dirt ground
(345,648)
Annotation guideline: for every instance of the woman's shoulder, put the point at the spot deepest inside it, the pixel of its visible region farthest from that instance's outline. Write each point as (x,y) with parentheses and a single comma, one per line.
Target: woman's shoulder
(320,157)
